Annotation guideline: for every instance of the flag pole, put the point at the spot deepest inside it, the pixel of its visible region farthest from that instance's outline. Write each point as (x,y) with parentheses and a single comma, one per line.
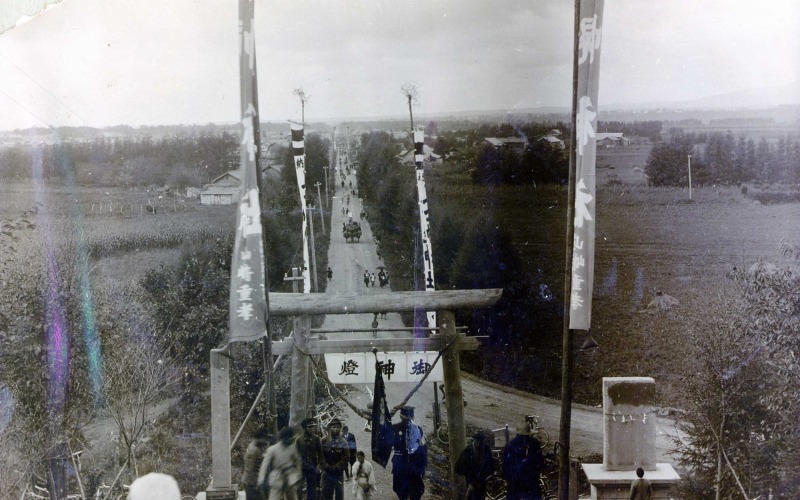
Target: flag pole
(579,272)
(566,341)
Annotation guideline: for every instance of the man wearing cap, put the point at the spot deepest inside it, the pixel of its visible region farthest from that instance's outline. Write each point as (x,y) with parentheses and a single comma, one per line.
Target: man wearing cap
(410,457)
(476,464)
(310,447)
(337,458)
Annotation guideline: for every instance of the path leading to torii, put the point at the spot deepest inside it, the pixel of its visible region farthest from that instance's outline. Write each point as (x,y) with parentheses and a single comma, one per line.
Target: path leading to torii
(489,405)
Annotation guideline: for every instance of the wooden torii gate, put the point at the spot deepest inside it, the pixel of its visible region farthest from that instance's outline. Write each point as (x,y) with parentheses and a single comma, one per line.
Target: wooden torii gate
(444,302)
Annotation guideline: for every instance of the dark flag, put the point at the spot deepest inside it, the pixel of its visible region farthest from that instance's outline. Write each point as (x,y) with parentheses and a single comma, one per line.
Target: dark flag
(248,295)
(589,38)
(382,436)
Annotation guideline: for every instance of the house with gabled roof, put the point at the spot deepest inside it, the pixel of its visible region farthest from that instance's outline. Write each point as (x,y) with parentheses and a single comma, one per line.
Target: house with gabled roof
(515,143)
(223,190)
(611,139)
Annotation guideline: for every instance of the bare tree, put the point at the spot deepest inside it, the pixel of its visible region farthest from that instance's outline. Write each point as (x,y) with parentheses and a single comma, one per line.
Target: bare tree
(299,92)
(410,91)
(138,375)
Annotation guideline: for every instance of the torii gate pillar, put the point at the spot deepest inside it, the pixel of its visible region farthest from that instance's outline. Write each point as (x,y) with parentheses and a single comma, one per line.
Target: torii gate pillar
(451,368)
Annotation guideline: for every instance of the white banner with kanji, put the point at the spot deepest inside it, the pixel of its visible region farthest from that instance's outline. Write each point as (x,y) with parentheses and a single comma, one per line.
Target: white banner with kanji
(359,367)
(248,294)
(589,41)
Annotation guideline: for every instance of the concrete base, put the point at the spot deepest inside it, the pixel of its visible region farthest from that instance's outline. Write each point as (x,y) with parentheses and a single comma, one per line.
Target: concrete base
(210,495)
(616,484)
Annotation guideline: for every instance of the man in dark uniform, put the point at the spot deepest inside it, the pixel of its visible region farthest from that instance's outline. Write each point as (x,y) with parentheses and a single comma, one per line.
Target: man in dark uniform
(337,460)
(310,447)
(410,457)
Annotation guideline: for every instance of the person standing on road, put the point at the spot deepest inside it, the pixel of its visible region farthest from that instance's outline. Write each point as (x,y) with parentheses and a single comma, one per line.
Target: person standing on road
(372,279)
(363,478)
(330,273)
(252,463)
(640,487)
(310,447)
(410,457)
(282,468)
(351,446)
(337,459)
(476,464)
(522,463)
(366,278)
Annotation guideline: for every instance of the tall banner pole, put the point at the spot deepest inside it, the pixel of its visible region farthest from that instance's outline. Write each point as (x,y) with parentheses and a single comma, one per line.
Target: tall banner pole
(579,271)
(298,149)
(424,220)
(249,308)
(301,364)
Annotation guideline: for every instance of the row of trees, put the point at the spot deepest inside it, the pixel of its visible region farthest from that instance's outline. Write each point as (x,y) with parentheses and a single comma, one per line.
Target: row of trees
(724,159)
(470,248)
(178,160)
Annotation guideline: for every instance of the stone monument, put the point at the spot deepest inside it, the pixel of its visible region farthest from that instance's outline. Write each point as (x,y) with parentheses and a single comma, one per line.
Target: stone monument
(629,438)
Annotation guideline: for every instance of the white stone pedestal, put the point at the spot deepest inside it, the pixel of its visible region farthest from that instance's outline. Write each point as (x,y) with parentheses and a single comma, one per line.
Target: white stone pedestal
(616,484)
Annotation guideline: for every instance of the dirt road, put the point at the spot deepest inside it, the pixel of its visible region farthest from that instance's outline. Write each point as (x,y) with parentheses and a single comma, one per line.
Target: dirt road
(489,405)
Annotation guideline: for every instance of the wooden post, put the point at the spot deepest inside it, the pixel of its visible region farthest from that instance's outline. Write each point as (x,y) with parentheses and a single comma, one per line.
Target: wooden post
(221,423)
(451,366)
(301,365)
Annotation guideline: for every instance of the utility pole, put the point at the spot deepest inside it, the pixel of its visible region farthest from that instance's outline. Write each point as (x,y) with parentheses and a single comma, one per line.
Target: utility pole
(327,202)
(321,213)
(313,249)
(690,175)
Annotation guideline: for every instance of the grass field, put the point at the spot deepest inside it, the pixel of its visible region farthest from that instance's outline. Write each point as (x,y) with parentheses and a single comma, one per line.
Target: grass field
(648,240)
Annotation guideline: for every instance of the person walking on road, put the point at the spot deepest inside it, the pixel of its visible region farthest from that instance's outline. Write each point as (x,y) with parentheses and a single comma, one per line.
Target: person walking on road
(640,487)
(372,279)
(330,273)
(363,478)
(282,468)
(252,463)
(310,447)
(366,278)
(337,459)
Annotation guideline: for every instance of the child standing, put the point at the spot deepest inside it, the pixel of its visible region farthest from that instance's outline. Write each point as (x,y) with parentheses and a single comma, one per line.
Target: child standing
(363,478)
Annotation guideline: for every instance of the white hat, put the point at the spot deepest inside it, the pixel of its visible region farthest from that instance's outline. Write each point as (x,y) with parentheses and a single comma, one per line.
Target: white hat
(154,486)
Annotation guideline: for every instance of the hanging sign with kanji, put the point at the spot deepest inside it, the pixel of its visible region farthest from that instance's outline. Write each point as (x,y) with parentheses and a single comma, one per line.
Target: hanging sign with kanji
(359,367)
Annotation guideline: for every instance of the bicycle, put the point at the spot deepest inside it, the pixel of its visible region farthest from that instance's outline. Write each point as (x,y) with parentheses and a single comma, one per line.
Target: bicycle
(537,431)
(441,433)
(496,487)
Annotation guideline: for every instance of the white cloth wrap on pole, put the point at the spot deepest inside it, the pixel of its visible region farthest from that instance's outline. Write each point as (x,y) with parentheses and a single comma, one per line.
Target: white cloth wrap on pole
(424,220)
(248,303)
(298,148)
(589,41)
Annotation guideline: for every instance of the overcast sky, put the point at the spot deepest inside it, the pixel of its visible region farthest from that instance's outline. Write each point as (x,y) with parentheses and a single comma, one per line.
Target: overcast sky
(147,62)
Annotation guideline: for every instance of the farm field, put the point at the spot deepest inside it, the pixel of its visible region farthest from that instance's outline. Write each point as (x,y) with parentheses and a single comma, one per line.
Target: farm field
(648,240)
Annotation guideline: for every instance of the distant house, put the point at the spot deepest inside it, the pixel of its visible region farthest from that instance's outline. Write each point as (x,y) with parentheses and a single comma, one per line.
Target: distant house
(611,139)
(224,190)
(514,143)
(553,141)
(406,156)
